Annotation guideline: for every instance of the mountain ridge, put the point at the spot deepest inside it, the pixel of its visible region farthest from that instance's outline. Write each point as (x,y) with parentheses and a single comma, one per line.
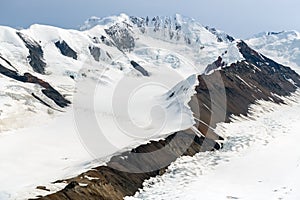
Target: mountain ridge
(115,53)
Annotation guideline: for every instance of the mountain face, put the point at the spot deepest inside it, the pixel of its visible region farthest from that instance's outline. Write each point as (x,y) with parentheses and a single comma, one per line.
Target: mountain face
(51,58)
(208,77)
(245,82)
(281,46)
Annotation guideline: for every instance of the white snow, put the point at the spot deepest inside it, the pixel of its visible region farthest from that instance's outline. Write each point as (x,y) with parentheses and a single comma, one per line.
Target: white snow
(283,47)
(39,145)
(38,155)
(153,50)
(260,160)
(56,148)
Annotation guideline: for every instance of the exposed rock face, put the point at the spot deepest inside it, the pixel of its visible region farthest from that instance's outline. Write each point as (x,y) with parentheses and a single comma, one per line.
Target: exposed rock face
(215,65)
(220,35)
(48,90)
(95,52)
(7,62)
(106,41)
(65,49)
(109,183)
(121,36)
(170,25)
(35,54)
(244,82)
(255,78)
(139,68)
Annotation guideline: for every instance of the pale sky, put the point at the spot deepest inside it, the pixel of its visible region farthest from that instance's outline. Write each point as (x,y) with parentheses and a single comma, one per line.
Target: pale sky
(239,18)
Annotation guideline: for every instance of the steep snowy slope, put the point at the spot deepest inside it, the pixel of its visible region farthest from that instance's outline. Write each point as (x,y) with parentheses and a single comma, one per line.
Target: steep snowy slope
(283,47)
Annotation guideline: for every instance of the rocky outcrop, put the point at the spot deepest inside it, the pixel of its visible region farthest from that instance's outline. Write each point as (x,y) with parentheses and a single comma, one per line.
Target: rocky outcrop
(245,82)
(95,52)
(102,39)
(66,50)
(47,90)
(219,63)
(36,54)
(139,68)
(9,63)
(121,36)
(107,182)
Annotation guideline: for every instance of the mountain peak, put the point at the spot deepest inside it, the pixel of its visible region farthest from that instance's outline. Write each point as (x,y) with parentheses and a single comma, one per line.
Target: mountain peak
(105,21)
(108,21)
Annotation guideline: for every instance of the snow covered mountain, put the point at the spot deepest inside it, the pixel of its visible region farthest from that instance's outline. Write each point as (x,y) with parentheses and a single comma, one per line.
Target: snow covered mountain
(139,79)
(282,47)
(56,56)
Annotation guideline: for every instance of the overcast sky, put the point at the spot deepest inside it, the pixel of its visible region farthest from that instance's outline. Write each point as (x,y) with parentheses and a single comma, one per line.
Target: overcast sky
(240,18)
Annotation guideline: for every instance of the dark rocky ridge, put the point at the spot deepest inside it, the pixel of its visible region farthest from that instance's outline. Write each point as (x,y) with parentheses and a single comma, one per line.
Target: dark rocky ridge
(36,54)
(139,68)
(66,50)
(48,90)
(244,82)
(110,183)
(255,78)
(7,62)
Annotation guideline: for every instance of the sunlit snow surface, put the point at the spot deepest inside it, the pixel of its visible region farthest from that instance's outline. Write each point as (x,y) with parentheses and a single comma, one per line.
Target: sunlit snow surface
(283,47)
(59,148)
(153,51)
(260,160)
(39,146)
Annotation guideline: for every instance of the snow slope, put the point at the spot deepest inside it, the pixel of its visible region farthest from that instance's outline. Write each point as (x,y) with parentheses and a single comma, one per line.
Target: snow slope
(260,160)
(177,43)
(149,64)
(39,145)
(283,47)
(38,155)
(60,148)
